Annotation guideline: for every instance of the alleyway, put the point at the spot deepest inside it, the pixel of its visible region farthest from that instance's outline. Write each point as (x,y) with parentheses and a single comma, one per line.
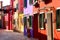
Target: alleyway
(9,35)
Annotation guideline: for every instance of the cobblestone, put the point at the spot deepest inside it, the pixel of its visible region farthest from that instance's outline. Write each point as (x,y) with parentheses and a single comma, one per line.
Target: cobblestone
(9,35)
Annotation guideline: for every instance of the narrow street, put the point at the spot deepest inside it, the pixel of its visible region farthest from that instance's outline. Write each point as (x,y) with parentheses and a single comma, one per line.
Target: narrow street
(9,35)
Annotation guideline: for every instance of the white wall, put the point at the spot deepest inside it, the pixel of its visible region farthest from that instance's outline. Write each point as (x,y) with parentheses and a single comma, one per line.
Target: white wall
(5,2)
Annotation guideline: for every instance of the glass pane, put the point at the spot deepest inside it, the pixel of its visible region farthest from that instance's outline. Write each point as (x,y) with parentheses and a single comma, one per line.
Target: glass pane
(41,20)
(58,19)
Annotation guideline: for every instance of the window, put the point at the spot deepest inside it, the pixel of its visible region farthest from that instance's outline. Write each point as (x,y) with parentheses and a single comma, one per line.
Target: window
(25,21)
(30,21)
(30,1)
(41,21)
(35,0)
(58,19)
(25,3)
(16,6)
(13,21)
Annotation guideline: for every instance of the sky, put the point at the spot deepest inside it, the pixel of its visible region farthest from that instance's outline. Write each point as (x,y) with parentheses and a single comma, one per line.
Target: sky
(5,2)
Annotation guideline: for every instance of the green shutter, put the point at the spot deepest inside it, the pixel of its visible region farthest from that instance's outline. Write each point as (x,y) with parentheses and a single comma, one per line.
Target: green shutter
(30,21)
(41,20)
(25,21)
(30,1)
(25,3)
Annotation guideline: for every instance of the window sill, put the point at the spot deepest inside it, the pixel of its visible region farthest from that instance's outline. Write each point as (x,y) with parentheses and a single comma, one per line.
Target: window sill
(42,28)
(58,29)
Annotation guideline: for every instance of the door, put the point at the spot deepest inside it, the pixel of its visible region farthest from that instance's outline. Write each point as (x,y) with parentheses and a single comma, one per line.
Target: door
(35,25)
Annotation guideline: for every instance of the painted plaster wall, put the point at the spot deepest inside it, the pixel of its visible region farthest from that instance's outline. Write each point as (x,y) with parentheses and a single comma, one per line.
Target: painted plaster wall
(20,5)
(55,4)
(29,8)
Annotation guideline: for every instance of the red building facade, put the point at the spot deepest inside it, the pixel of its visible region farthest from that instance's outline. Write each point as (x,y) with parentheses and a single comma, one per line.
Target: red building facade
(20,5)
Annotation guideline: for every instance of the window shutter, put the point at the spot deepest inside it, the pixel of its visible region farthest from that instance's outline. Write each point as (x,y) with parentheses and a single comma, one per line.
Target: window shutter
(30,21)
(58,19)
(25,3)
(30,2)
(25,21)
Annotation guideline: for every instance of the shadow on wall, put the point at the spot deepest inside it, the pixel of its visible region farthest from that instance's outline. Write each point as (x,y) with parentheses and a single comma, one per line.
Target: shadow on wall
(36,5)
(43,37)
(47,1)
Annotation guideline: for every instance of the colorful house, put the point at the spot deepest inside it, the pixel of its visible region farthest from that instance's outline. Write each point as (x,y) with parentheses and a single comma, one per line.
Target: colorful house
(15,16)
(6,14)
(28,11)
(47,29)
(20,15)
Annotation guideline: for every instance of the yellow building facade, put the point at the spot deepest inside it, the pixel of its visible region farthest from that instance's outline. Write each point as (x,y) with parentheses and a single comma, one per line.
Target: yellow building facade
(18,18)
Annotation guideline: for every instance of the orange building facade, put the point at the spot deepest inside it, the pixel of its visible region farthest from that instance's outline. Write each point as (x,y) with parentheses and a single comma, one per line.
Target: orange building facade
(44,7)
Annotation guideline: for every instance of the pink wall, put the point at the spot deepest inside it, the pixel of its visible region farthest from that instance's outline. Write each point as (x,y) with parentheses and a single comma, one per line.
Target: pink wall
(29,8)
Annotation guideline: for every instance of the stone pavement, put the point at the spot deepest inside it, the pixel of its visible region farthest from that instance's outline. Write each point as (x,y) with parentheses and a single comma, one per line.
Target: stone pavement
(9,35)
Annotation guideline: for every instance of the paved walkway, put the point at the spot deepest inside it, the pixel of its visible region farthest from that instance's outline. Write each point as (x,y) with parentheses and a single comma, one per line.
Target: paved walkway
(9,35)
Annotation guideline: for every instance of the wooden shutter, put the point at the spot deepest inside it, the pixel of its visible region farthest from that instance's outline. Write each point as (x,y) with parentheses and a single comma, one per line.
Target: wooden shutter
(25,21)
(30,21)
(25,3)
(30,1)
